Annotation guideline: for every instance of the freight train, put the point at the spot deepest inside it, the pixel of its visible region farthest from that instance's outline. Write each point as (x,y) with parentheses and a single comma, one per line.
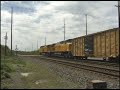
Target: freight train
(104,44)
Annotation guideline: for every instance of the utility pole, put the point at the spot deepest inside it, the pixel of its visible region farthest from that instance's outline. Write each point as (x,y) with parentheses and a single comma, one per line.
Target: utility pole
(37,44)
(86,40)
(118,18)
(64,29)
(11,26)
(86,24)
(32,46)
(118,14)
(45,41)
(6,43)
(0,38)
(16,49)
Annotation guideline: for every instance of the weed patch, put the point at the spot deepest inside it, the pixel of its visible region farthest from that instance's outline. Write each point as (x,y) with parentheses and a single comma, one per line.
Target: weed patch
(8,66)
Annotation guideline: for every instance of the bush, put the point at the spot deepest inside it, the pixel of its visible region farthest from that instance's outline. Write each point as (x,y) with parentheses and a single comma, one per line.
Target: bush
(5,87)
(4,74)
(6,68)
(4,71)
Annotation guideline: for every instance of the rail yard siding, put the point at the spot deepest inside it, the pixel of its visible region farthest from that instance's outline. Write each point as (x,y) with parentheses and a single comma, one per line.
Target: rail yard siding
(106,43)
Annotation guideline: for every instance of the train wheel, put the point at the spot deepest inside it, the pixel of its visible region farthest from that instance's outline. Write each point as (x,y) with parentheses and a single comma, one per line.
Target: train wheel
(104,59)
(85,58)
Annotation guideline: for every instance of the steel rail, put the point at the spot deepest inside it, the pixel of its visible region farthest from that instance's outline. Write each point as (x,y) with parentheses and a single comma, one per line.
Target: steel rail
(111,72)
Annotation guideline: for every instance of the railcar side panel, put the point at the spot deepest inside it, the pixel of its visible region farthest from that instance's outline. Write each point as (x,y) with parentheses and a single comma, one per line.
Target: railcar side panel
(103,45)
(117,43)
(106,44)
(78,46)
(113,43)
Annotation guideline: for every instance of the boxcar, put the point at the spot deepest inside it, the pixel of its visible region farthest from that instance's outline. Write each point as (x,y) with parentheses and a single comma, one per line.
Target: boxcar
(106,44)
(82,47)
(103,45)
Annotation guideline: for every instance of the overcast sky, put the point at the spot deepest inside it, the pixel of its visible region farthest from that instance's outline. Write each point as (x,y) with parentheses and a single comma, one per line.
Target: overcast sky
(35,20)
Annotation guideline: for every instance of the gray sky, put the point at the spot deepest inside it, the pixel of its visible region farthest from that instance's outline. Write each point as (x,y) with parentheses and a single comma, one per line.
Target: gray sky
(33,20)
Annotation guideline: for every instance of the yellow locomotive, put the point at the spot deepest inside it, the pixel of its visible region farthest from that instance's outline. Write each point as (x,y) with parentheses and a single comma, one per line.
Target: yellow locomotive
(59,49)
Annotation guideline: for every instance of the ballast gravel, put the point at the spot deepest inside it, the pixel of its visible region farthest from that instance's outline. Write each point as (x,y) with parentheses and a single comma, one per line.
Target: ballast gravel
(79,76)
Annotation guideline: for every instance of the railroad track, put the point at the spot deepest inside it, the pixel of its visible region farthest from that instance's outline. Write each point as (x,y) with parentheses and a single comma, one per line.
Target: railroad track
(90,61)
(106,71)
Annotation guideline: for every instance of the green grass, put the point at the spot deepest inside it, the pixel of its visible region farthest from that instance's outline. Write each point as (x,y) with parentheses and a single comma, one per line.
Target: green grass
(9,65)
(36,52)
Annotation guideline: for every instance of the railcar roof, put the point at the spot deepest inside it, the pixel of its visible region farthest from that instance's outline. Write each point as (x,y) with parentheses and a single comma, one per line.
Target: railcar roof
(82,36)
(98,32)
